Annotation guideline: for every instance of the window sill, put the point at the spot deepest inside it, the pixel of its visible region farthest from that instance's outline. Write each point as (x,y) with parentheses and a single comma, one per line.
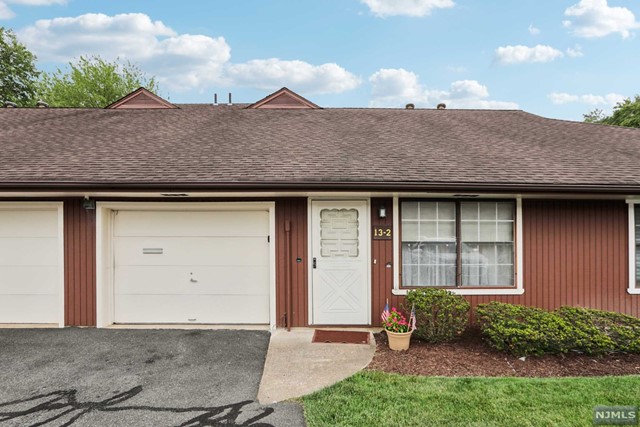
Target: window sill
(632,291)
(485,291)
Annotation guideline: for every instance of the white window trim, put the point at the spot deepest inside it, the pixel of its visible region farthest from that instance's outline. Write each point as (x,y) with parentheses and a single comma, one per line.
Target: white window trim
(632,289)
(517,290)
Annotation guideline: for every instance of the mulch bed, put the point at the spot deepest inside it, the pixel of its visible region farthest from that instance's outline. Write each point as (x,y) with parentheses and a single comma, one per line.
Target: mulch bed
(470,356)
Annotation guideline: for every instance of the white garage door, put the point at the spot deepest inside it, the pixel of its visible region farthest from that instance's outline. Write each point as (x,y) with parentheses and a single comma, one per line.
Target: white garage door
(29,265)
(191,267)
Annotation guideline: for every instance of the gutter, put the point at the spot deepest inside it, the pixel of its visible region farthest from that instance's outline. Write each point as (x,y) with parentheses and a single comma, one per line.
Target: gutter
(319,185)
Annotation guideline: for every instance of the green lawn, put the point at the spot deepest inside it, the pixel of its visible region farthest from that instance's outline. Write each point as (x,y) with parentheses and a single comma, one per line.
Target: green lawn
(379,399)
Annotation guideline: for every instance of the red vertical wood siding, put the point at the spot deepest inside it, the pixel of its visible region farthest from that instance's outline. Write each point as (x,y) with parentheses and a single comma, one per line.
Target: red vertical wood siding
(79,264)
(575,253)
(294,211)
(381,256)
(80,259)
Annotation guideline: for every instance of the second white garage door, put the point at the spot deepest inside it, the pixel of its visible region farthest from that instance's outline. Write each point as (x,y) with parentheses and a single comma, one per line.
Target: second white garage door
(30,263)
(191,267)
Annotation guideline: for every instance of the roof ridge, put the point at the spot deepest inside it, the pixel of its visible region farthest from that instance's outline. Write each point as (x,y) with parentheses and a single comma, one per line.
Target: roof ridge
(603,125)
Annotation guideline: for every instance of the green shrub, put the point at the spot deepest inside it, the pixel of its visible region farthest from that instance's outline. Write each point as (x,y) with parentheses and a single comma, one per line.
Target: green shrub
(441,315)
(523,331)
(587,336)
(603,331)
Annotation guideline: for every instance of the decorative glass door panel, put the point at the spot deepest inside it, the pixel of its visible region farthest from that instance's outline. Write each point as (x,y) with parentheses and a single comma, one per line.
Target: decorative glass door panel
(339,233)
(340,281)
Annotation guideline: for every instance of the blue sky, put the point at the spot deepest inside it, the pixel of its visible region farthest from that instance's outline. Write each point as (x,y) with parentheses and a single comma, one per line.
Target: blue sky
(555,58)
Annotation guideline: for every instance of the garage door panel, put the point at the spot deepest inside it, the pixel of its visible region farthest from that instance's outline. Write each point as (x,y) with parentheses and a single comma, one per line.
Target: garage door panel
(30,264)
(29,309)
(27,223)
(32,280)
(239,251)
(29,251)
(157,254)
(221,309)
(224,280)
(192,224)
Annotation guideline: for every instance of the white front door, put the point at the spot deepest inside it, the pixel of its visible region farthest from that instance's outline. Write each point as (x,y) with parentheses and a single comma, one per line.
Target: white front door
(340,253)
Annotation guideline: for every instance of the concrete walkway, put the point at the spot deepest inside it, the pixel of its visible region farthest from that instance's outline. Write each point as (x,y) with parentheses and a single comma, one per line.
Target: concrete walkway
(295,366)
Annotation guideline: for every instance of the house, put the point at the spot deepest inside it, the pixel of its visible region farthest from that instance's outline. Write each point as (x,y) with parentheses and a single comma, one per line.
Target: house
(283,213)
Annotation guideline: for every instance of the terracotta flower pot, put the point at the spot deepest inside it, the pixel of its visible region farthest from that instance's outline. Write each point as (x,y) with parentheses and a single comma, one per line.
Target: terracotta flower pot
(399,340)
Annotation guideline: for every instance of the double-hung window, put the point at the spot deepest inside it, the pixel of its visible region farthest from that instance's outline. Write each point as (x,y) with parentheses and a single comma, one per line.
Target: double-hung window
(634,247)
(637,244)
(457,244)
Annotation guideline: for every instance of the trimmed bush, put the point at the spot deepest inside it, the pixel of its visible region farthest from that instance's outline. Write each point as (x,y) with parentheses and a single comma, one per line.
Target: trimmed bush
(441,315)
(603,331)
(522,331)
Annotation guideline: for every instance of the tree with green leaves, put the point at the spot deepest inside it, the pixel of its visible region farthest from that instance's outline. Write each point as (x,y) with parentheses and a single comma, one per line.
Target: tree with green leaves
(625,113)
(595,116)
(18,73)
(93,82)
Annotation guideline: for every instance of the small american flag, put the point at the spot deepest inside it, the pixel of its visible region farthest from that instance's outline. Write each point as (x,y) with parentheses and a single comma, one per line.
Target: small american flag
(412,318)
(385,313)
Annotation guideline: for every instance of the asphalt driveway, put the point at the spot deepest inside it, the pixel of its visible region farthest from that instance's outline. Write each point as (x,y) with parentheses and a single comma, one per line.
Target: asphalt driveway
(105,377)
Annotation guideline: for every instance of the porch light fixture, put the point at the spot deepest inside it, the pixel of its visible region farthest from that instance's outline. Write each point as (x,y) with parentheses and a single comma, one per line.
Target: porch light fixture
(382,212)
(88,204)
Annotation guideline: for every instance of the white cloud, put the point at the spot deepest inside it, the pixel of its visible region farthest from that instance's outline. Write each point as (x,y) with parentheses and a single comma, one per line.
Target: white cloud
(464,89)
(519,54)
(384,8)
(575,52)
(595,18)
(610,99)
(397,86)
(180,61)
(395,83)
(275,73)
(533,30)
(6,13)
(131,36)
(560,98)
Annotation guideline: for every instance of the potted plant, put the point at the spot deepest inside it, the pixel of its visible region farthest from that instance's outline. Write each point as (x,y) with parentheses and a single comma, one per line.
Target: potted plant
(398,329)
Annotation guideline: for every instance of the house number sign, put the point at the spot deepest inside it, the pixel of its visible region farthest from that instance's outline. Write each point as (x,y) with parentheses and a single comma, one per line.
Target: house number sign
(382,232)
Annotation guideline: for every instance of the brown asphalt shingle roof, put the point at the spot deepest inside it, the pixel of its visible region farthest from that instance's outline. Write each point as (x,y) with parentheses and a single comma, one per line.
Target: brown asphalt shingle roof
(216,145)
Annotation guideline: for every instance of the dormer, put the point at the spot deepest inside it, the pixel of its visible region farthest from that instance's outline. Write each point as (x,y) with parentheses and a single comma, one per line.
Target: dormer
(284,99)
(141,98)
